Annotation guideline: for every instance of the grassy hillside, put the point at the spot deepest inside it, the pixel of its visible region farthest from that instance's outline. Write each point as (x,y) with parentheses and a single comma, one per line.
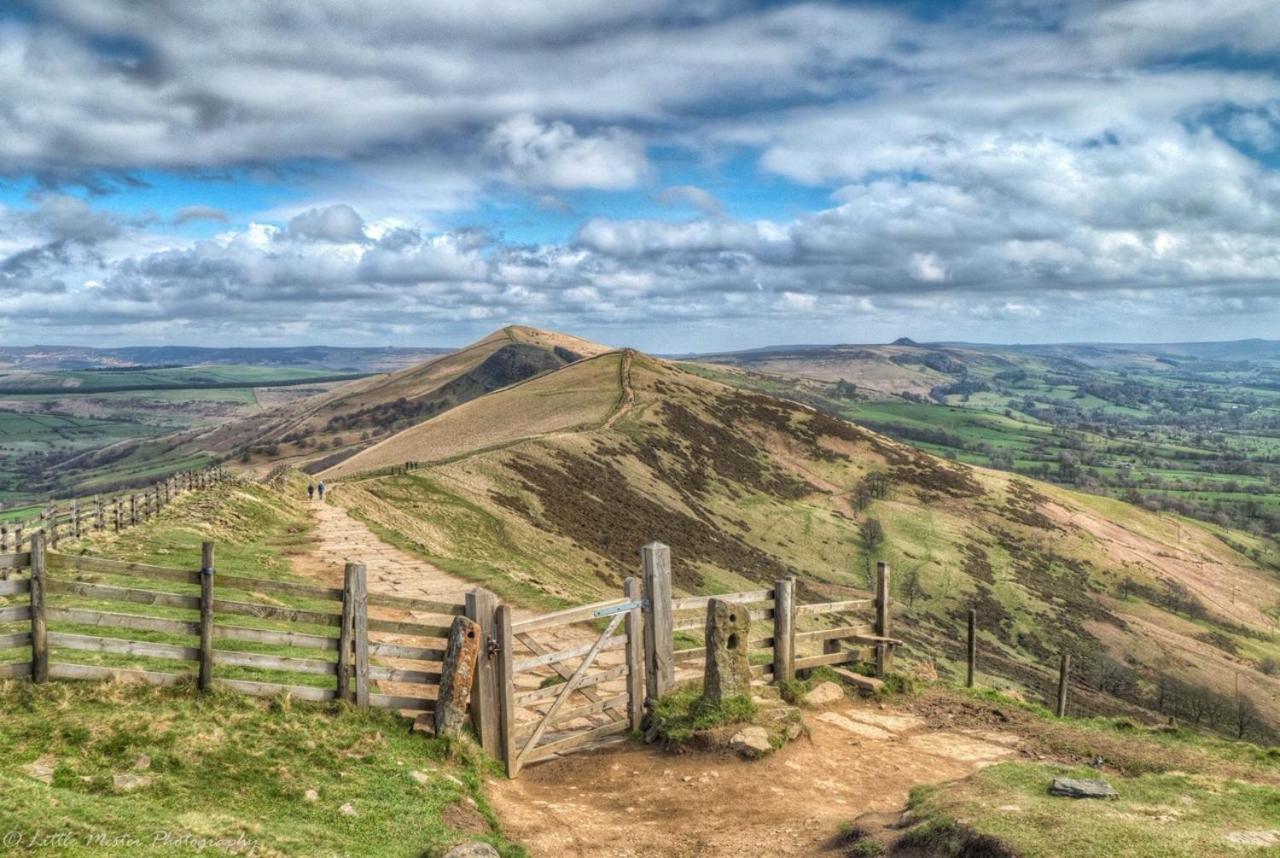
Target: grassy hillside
(1158,611)
(1196,431)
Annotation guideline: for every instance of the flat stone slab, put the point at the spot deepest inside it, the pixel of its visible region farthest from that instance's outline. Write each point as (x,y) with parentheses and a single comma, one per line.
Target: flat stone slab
(1253,838)
(857,728)
(1074,788)
(824,694)
(957,746)
(886,721)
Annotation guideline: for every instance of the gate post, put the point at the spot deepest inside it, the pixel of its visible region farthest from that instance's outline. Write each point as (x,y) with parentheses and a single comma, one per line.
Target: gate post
(784,630)
(658,642)
(634,630)
(481,606)
(884,651)
(39,629)
(205,679)
(506,689)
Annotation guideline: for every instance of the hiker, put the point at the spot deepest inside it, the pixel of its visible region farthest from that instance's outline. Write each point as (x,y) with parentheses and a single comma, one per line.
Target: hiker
(321,489)
(311,491)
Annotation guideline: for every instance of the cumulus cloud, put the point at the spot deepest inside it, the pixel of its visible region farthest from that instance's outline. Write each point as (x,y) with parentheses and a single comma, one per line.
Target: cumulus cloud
(339,224)
(186,214)
(554,155)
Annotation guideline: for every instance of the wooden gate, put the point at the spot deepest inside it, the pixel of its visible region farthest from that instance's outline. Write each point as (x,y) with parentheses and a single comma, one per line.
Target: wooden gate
(562,682)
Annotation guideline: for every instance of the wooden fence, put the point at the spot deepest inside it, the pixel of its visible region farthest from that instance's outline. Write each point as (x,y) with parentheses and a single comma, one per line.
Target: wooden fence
(257,636)
(80,516)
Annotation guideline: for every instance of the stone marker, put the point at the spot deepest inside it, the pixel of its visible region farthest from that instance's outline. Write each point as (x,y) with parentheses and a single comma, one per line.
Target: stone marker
(456,676)
(751,742)
(1072,788)
(728,671)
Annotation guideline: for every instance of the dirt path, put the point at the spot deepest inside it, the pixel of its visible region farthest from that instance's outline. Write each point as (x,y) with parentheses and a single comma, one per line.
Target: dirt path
(634,801)
(628,398)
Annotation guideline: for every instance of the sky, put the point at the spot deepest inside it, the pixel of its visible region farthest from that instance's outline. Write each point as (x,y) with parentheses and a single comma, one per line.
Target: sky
(692,175)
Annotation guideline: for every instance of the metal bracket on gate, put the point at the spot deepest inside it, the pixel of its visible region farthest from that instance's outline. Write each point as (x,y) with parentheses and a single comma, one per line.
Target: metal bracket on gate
(621,609)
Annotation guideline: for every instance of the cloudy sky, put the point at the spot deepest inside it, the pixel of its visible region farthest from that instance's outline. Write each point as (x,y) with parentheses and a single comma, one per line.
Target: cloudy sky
(687,175)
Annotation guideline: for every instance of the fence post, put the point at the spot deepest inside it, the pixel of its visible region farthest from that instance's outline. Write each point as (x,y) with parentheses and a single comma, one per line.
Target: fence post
(481,606)
(634,629)
(4,540)
(658,635)
(39,630)
(1064,669)
(884,652)
(973,648)
(346,631)
(101,512)
(784,630)
(75,518)
(206,617)
(457,676)
(133,509)
(506,688)
(117,514)
(360,633)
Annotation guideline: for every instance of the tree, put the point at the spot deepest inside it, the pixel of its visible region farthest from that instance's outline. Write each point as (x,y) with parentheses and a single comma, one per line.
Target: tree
(872,533)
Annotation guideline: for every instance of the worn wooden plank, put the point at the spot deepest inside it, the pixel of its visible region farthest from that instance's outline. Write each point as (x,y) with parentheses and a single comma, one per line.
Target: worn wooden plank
(271,689)
(103,566)
(553,749)
(275,612)
(864,683)
(413,653)
(417,630)
(392,701)
(15,640)
(784,629)
(587,681)
(107,619)
(395,674)
(15,561)
(293,639)
(271,662)
(833,634)
(566,716)
(831,607)
(15,670)
(843,657)
(287,588)
(14,588)
(124,594)
(688,603)
(582,613)
(122,646)
(425,606)
(550,658)
(62,670)
(16,613)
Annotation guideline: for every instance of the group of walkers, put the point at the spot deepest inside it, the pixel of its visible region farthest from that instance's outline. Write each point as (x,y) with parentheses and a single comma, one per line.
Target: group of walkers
(312,488)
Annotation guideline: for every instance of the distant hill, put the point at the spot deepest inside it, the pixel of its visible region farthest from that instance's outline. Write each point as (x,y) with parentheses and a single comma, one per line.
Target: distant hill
(347,360)
(554,483)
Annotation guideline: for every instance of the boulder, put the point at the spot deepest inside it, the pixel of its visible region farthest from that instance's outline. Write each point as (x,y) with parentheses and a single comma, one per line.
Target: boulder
(728,670)
(751,742)
(824,694)
(128,782)
(456,675)
(1073,788)
(472,850)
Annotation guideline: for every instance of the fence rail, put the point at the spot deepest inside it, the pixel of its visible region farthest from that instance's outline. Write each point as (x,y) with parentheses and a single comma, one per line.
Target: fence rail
(79,516)
(72,614)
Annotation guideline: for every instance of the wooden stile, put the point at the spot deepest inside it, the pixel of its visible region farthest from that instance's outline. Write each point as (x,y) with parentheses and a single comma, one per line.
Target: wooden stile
(205,681)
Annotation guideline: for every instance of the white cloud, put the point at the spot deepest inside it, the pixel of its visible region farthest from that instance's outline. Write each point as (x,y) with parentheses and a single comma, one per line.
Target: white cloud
(554,155)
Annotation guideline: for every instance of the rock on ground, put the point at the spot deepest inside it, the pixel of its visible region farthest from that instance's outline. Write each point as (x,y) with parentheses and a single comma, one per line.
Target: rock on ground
(472,850)
(824,694)
(1073,788)
(751,742)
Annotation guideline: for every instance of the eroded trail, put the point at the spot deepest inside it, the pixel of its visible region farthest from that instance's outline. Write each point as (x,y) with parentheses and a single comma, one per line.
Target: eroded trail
(635,801)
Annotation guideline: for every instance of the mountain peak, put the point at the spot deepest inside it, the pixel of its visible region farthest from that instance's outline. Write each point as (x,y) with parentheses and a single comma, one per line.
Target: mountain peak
(904,341)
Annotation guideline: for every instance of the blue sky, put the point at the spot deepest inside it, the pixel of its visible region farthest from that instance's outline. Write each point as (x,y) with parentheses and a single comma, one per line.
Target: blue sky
(673,176)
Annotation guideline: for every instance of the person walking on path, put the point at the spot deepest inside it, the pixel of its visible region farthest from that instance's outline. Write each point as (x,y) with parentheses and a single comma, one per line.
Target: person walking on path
(311,491)
(321,490)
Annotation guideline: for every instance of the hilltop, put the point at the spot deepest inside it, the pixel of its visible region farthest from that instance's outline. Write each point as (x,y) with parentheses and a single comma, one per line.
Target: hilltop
(551,486)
